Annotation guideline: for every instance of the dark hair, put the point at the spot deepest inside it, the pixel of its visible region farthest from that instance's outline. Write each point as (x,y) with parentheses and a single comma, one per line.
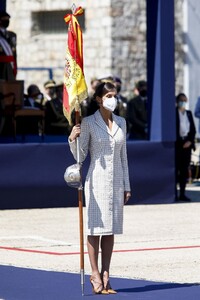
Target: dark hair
(141,84)
(103,88)
(179,96)
(33,90)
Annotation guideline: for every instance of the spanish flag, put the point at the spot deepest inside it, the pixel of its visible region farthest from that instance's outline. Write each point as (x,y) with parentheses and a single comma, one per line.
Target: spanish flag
(75,88)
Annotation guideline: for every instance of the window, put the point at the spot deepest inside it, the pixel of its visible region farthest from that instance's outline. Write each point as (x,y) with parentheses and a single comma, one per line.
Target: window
(50,22)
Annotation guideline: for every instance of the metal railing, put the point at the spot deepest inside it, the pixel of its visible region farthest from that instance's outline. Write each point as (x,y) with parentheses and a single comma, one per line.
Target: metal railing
(50,70)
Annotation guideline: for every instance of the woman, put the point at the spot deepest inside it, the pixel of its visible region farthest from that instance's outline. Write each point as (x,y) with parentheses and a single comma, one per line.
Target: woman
(185,136)
(107,186)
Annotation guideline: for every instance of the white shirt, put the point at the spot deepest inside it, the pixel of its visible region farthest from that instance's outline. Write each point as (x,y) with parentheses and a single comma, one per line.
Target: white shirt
(31,101)
(184,123)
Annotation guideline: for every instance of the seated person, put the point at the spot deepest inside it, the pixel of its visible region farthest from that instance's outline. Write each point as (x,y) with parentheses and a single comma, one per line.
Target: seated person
(55,121)
(27,122)
(34,97)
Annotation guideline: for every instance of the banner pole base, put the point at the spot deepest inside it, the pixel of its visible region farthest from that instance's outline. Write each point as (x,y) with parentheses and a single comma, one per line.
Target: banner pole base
(82,281)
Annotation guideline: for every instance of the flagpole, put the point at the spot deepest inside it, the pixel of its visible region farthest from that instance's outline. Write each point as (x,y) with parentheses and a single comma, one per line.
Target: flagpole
(80,204)
(80,193)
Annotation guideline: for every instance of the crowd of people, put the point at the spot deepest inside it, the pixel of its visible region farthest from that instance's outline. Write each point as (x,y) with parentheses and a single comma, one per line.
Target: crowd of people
(50,101)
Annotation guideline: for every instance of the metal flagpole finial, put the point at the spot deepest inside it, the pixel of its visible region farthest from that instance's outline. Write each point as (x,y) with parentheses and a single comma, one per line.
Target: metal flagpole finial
(73,8)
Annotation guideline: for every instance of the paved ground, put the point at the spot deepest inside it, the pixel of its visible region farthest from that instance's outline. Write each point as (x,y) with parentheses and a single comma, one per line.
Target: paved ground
(160,242)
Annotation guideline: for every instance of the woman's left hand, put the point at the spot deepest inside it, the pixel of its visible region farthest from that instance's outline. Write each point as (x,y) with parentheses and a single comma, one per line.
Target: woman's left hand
(127,196)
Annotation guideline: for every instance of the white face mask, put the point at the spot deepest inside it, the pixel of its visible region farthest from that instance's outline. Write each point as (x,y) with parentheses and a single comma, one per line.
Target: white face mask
(110,103)
(182,104)
(40,97)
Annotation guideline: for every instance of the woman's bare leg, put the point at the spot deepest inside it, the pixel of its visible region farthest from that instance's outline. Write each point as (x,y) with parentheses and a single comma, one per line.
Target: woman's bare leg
(93,251)
(107,243)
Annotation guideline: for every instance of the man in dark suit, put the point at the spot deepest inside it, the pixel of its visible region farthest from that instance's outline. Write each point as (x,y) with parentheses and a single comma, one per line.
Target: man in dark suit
(34,97)
(137,113)
(30,122)
(121,109)
(8,56)
(185,142)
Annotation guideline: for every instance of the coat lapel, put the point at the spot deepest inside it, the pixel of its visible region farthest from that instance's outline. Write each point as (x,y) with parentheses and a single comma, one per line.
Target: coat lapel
(100,122)
(116,125)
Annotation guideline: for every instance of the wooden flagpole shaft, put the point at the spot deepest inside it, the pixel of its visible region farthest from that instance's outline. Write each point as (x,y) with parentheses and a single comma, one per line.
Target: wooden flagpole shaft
(80,191)
(80,204)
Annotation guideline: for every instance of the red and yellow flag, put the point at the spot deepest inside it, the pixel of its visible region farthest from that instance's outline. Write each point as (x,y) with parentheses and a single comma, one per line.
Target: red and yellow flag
(75,88)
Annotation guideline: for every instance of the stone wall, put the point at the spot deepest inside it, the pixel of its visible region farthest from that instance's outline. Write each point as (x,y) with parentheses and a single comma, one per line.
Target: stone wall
(179,47)
(129,41)
(114,40)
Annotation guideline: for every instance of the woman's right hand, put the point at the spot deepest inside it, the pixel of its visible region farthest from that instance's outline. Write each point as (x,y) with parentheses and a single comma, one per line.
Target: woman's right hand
(76,130)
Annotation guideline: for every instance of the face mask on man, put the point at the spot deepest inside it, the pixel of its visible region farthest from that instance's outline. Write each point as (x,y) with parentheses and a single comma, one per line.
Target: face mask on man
(39,97)
(182,104)
(110,103)
(4,23)
(52,92)
(143,93)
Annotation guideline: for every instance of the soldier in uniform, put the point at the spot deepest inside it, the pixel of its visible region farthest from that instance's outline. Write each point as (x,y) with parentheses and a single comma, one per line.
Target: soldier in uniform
(8,57)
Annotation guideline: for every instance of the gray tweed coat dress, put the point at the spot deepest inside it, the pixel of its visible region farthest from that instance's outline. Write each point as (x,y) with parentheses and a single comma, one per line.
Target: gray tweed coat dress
(107,177)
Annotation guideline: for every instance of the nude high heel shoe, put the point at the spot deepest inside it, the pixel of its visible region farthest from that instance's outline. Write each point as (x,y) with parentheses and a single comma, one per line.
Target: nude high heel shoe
(107,287)
(97,287)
